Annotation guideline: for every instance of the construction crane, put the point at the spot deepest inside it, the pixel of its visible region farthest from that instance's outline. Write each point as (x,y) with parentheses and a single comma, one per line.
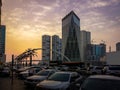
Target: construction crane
(103,41)
(93,41)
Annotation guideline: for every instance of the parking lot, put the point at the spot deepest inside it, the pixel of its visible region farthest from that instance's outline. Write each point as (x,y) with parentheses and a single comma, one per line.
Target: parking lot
(6,84)
(57,78)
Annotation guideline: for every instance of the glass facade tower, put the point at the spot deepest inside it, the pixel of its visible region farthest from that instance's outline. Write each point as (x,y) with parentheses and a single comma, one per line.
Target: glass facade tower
(71,37)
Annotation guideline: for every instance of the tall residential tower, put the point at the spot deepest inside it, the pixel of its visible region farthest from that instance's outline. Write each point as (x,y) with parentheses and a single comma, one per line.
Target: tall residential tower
(56,48)
(71,37)
(85,40)
(46,41)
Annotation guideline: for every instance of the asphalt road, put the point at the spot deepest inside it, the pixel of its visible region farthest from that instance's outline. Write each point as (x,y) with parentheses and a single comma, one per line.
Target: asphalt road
(6,84)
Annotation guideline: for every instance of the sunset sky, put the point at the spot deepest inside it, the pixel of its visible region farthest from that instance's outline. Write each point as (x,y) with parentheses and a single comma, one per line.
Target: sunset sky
(27,20)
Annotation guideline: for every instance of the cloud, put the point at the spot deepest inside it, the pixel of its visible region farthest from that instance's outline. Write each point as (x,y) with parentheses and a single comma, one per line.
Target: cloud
(28,20)
(101,3)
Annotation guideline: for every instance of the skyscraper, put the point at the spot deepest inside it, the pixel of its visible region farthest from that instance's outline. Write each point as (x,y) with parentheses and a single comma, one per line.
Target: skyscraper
(85,40)
(46,41)
(56,47)
(2,42)
(118,46)
(71,37)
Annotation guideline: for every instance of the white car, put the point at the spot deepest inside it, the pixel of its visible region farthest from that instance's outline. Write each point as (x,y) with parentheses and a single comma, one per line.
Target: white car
(112,70)
(40,76)
(26,73)
(95,70)
(59,81)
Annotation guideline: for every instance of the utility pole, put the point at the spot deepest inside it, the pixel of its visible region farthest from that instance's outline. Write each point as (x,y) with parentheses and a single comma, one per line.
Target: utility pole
(30,59)
(12,68)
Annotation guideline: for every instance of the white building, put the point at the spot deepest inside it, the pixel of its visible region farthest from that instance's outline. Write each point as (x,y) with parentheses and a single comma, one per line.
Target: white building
(85,40)
(113,58)
(46,41)
(56,48)
(71,37)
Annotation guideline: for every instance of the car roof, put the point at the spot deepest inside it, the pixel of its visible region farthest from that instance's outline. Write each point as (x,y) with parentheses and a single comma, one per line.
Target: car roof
(49,70)
(68,72)
(105,77)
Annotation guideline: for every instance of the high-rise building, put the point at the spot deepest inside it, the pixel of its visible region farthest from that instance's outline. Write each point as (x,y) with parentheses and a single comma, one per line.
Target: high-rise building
(118,46)
(95,52)
(56,48)
(71,37)
(0,10)
(85,40)
(2,43)
(46,41)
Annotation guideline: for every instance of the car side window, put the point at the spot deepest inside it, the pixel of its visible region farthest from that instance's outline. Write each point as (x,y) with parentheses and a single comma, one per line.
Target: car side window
(51,73)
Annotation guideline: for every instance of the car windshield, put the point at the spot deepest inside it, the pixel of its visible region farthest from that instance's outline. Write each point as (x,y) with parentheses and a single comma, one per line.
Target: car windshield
(101,84)
(63,77)
(43,73)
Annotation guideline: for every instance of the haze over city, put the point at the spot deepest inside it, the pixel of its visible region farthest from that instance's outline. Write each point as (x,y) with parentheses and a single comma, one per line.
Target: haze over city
(27,20)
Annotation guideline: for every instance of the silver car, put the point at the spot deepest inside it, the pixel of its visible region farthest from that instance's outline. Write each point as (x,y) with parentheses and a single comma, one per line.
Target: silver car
(59,81)
(40,76)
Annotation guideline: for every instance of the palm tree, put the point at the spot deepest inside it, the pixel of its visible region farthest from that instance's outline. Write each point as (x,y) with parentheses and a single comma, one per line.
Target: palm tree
(31,53)
(28,53)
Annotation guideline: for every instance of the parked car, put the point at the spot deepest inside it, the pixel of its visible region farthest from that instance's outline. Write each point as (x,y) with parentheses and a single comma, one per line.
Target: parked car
(94,70)
(29,72)
(112,70)
(63,68)
(101,82)
(5,71)
(22,69)
(59,81)
(40,76)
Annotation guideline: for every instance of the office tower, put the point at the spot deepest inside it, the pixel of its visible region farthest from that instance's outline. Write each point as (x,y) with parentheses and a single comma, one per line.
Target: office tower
(85,40)
(46,41)
(118,46)
(56,48)
(103,49)
(2,43)
(96,52)
(71,37)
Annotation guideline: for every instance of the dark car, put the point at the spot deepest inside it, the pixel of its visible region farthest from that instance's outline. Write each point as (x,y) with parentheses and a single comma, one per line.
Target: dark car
(5,71)
(101,82)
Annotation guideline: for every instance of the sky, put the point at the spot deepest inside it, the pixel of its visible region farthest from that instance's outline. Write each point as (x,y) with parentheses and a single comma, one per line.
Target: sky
(27,20)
